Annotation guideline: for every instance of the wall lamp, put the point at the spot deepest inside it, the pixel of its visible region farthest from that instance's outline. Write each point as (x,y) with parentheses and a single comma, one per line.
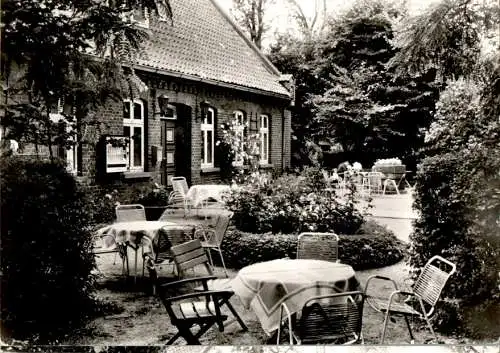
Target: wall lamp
(204,105)
(162,105)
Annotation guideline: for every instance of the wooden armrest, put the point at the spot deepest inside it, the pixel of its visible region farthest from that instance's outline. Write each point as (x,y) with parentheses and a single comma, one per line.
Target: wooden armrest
(224,294)
(204,279)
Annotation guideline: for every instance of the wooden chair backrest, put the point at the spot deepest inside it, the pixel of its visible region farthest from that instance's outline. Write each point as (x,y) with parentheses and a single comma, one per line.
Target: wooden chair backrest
(169,236)
(127,213)
(318,246)
(433,278)
(179,184)
(190,254)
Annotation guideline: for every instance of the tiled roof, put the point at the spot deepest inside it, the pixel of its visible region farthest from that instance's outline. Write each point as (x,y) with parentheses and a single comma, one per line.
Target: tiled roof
(202,42)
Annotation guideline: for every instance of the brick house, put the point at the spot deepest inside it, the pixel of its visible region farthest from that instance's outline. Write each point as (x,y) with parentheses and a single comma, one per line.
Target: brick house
(200,72)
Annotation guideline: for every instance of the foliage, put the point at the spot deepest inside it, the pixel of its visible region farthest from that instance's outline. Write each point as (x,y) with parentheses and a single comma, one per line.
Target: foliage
(446,37)
(236,146)
(360,251)
(291,203)
(449,189)
(369,109)
(49,56)
(103,200)
(250,15)
(47,285)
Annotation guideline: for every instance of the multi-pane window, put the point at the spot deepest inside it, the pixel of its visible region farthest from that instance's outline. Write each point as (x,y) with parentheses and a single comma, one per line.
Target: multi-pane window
(133,127)
(239,117)
(207,139)
(264,139)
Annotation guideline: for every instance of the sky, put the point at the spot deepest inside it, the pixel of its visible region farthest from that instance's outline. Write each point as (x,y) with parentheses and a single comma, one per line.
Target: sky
(278,13)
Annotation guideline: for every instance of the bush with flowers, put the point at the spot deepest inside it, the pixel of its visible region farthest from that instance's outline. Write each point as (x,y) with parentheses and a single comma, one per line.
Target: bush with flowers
(291,204)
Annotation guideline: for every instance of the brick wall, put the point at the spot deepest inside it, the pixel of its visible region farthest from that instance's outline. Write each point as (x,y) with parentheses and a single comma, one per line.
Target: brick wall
(224,100)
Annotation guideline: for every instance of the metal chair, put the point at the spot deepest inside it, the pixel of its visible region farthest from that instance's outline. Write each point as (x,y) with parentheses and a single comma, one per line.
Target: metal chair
(332,318)
(212,237)
(318,246)
(105,244)
(426,291)
(373,181)
(177,197)
(161,254)
(127,213)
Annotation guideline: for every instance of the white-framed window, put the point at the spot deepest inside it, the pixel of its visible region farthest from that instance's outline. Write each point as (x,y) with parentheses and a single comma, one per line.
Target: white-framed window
(239,116)
(207,139)
(133,127)
(70,151)
(140,16)
(264,139)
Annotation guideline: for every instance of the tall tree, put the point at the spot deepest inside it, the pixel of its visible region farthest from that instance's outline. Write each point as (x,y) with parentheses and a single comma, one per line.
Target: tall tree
(77,52)
(447,37)
(309,26)
(367,108)
(250,15)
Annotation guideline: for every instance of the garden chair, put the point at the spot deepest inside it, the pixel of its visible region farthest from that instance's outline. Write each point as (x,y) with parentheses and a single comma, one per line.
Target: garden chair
(105,244)
(212,237)
(199,308)
(374,182)
(177,197)
(161,254)
(128,213)
(332,318)
(318,246)
(426,291)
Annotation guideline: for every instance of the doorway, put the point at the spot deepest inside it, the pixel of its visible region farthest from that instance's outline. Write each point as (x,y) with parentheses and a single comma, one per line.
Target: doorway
(176,143)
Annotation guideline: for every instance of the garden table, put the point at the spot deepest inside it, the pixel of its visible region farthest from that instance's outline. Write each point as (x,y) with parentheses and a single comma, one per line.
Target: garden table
(203,192)
(266,285)
(135,234)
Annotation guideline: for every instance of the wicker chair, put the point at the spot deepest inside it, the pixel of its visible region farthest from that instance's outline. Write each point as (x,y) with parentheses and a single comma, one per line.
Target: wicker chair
(333,318)
(127,213)
(211,238)
(177,197)
(425,294)
(318,246)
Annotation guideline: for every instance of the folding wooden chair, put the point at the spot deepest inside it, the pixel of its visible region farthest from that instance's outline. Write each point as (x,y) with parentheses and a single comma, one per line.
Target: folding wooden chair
(426,292)
(318,246)
(332,318)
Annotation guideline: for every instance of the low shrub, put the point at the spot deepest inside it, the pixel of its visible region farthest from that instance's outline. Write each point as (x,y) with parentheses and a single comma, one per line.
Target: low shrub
(361,251)
(291,204)
(47,260)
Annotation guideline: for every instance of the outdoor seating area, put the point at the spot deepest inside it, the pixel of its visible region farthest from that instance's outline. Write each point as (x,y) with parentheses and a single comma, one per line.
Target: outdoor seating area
(311,299)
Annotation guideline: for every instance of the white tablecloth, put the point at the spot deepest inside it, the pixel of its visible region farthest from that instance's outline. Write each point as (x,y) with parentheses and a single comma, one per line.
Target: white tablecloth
(264,286)
(124,232)
(202,192)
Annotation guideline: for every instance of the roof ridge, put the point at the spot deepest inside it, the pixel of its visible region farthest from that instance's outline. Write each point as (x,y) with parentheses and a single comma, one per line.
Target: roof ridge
(269,65)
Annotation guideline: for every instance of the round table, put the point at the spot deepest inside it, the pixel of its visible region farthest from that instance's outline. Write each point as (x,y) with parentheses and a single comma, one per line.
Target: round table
(135,234)
(266,285)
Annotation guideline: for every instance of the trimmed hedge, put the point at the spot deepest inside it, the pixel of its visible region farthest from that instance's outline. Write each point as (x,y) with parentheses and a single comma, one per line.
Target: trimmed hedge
(363,251)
